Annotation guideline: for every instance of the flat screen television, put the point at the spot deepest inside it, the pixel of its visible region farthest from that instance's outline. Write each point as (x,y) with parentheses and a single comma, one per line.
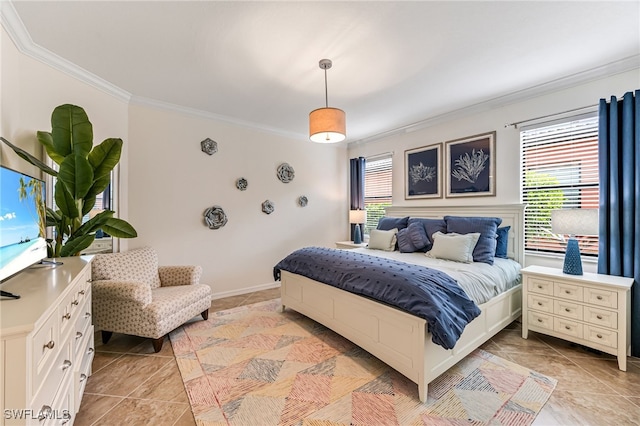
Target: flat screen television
(22,222)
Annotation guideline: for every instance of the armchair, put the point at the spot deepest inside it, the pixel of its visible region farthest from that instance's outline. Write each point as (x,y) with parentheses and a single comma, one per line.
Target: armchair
(133,295)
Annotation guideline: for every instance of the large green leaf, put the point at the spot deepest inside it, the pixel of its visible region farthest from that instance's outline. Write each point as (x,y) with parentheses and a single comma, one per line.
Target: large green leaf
(46,140)
(89,203)
(95,223)
(75,245)
(71,130)
(65,201)
(99,185)
(77,175)
(119,228)
(30,158)
(105,156)
(53,217)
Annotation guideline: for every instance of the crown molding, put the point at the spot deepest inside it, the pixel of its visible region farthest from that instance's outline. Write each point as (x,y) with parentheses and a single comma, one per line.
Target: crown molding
(14,26)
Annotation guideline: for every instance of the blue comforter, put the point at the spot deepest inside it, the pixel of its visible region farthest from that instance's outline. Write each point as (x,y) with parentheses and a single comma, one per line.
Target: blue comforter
(421,291)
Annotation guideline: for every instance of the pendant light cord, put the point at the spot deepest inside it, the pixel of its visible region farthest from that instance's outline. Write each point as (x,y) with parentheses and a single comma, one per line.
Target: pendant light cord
(326,91)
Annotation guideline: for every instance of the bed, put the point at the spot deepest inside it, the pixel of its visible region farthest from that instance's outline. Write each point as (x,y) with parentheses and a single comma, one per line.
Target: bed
(396,337)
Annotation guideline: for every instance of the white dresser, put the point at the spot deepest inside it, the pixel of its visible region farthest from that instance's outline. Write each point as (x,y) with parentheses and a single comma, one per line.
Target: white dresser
(591,309)
(46,343)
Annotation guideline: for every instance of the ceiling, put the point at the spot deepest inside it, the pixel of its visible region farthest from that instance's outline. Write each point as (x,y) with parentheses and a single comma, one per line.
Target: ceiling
(394,63)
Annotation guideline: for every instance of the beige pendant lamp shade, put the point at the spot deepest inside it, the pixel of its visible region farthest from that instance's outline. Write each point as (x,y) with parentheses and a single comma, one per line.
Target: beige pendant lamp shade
(327,125)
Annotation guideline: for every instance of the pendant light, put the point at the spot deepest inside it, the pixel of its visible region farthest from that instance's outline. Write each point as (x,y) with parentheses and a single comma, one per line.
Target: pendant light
(327,125)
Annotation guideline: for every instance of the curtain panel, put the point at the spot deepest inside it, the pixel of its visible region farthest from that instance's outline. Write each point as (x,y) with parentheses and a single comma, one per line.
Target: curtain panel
(619,168)
(356,186)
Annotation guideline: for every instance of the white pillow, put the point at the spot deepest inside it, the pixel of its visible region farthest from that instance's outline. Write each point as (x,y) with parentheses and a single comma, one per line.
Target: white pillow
(382,240)
(452,246)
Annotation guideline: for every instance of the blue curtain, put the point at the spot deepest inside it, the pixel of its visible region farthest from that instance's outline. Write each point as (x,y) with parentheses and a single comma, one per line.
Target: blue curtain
(619,164)
(356,185)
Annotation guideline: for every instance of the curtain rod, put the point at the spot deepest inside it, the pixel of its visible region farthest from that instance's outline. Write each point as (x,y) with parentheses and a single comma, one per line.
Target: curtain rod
(515,124)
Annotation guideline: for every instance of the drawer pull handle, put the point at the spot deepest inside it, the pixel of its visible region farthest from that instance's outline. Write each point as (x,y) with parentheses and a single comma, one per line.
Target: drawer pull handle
(87,314)
(567,310)
(567,327)
(66,364)
(90,350)
(75,302)
(539,320)
(599,297)
(45,413)
(83,377)
(599,317)
(50,345)
(78,334)
(599,336)
(81,292)
(567,291)
(539,303)
(540,287)
(66,316)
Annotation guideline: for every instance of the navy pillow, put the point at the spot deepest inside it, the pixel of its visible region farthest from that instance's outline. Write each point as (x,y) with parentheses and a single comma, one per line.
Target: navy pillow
(485,249)
(388,223)
(503,240)
(412,238)
(431,226)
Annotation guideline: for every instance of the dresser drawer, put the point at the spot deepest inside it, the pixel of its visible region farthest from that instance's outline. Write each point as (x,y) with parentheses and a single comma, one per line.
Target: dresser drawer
(600,317)
(601,336)
(61,369)
(541,320)
(568,291)
(46,345)
(536,285)
(567,309)
(568,327)
(604,298)
(540,303)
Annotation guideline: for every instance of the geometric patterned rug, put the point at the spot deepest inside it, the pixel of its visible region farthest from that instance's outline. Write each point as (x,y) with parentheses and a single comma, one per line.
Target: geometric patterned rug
(253,365)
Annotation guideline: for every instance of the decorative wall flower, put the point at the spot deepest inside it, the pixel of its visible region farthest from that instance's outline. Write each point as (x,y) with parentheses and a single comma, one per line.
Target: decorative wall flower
(241,184)
(209,146)
(302,201)
(268,207)
(215,217)
(285,173)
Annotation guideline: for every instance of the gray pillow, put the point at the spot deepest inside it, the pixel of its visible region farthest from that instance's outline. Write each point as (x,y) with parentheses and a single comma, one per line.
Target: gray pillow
(431,226)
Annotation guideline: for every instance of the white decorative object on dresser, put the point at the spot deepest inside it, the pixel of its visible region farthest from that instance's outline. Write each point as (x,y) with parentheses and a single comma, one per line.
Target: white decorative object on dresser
(349,245)
(591,309)
(46,343)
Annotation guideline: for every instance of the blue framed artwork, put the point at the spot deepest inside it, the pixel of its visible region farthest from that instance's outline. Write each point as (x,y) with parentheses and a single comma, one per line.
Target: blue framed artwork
(423,176)
(471,166)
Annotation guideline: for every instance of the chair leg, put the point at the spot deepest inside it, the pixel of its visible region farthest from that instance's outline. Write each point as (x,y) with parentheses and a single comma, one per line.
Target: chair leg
(205,315)
(106,335)
(157,344)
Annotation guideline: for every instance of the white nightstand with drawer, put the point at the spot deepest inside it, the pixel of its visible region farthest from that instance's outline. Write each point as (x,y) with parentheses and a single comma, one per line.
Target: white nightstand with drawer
(591,309)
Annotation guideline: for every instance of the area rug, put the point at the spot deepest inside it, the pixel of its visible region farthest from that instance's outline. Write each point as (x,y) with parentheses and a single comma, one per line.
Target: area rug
(256,366)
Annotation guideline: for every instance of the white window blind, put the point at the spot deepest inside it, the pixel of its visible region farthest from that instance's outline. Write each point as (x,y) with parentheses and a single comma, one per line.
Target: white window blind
(559,170)
(377,189)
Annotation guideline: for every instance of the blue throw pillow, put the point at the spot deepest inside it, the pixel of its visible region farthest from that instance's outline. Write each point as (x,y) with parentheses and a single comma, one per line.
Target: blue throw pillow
(412,238)
(485,249)
(431,226)
(405,245)
(502,242)
(388,223)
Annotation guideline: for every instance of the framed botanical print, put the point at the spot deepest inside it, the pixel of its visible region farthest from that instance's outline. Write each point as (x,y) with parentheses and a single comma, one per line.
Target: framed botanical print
(423,172)
(471,166)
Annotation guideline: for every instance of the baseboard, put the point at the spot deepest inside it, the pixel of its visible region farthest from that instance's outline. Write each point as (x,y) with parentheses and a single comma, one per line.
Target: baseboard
(245,290)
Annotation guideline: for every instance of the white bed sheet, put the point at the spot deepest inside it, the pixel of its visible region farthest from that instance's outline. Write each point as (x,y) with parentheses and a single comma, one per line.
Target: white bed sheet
(479,280)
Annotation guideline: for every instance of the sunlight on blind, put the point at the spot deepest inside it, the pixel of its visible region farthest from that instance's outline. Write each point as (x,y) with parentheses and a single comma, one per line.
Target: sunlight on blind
(559,171)
(377,190)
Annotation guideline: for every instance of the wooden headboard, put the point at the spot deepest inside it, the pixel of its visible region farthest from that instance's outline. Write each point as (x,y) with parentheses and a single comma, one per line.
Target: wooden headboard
(511,215)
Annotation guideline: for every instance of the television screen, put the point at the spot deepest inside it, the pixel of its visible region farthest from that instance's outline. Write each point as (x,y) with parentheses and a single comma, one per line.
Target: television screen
(22,222)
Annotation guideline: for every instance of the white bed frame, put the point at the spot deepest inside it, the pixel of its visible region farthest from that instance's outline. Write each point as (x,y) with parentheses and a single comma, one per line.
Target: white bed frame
(395,337)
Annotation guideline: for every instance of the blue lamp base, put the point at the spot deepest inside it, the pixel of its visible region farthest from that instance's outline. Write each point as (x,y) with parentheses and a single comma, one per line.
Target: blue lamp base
(572,260)
(357,235)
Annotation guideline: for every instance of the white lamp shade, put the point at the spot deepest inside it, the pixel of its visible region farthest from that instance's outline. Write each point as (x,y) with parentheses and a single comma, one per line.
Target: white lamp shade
(575,221)
(327,125)
(357,216)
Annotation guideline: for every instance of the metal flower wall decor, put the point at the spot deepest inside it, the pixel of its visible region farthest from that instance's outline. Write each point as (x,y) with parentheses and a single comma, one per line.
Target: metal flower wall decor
(209,146)
(268,207)
(302,201)
(242,184)
(215,217)
(285,173)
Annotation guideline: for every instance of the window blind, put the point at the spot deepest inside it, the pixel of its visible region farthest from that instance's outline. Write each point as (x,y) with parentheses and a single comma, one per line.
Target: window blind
(377,189)
(559,171)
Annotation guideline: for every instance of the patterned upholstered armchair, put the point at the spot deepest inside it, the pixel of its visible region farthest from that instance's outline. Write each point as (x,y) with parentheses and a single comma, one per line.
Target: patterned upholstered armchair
(133,295)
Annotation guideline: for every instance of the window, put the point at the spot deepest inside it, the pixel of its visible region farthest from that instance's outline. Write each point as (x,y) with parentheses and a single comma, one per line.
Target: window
(377,189)
(559,170)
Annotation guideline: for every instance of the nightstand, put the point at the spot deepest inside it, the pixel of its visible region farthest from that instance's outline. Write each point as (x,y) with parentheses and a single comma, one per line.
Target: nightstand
(349,245)
(592,310)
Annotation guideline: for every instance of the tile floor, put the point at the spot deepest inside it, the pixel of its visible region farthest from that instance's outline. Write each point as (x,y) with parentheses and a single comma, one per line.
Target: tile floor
(132,385)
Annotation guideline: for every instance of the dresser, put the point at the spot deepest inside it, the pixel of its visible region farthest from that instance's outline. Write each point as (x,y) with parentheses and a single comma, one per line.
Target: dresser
(592,310)
(46,343)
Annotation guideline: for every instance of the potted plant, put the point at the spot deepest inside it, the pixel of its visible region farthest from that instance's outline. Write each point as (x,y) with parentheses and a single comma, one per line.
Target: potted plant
(84,171)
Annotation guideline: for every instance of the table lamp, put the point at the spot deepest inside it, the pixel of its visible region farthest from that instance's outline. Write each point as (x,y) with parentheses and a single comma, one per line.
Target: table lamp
(574,222)
(357,217)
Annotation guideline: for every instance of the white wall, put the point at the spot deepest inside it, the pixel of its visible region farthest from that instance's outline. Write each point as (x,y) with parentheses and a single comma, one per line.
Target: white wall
(171,182)
(508,162)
